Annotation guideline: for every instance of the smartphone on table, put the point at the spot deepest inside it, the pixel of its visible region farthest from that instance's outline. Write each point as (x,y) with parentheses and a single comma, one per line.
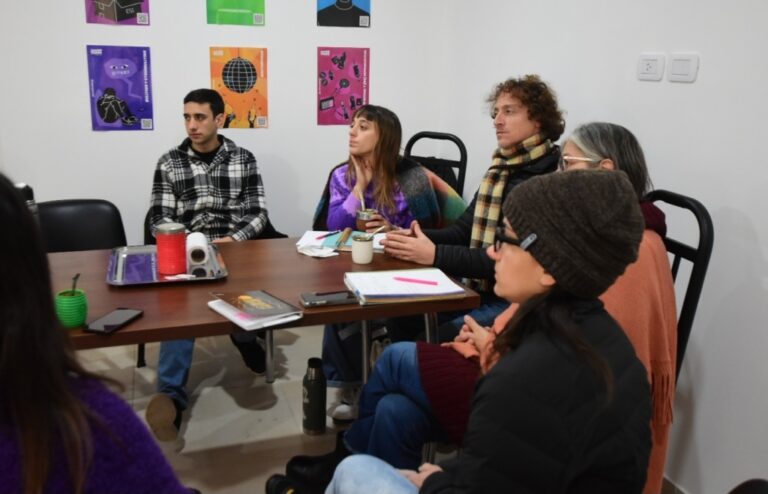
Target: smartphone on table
(321,299)
(114,320)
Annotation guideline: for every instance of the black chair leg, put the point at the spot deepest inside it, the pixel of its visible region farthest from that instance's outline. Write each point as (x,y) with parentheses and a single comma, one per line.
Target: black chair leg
(140,362)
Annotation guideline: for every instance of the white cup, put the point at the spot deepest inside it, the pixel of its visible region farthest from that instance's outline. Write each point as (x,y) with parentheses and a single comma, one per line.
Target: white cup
(362,249)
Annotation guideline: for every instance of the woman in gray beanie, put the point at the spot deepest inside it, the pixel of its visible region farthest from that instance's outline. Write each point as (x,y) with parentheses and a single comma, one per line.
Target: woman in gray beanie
(563,404)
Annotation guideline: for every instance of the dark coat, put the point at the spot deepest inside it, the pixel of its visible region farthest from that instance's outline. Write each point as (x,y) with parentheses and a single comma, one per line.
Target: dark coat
(538,424)
(453,254)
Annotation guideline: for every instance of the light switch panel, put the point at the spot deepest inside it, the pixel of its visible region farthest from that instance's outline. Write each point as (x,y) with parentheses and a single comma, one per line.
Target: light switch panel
(683,67)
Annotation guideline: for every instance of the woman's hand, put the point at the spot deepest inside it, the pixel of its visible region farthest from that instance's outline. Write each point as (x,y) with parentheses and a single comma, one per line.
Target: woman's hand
(363,175)
(410,245)
(418,478)
(473,333)
(378,221)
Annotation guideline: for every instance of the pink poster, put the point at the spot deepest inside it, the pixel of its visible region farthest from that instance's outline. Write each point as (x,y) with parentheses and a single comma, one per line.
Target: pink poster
(342,83)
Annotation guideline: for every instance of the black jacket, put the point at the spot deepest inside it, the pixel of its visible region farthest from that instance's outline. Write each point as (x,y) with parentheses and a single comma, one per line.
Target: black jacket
(453,254)
(537,424)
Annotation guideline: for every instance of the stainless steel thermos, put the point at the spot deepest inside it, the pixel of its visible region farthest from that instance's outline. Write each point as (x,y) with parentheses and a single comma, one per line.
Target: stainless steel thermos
(313,398)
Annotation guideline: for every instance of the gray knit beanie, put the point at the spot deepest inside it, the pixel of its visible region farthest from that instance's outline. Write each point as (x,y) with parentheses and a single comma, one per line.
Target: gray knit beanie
(588,226)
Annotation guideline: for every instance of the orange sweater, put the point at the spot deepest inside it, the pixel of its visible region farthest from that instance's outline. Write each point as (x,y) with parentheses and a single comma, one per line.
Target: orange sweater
(642,301)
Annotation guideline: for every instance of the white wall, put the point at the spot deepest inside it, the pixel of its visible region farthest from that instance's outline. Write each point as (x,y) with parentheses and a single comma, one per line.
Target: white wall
(51,147)
(433,62)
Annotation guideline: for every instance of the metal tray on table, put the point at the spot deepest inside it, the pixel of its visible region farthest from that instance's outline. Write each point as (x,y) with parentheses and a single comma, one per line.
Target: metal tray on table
(137,265)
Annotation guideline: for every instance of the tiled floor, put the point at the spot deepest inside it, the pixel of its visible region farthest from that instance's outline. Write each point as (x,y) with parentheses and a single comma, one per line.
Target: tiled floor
(239,430)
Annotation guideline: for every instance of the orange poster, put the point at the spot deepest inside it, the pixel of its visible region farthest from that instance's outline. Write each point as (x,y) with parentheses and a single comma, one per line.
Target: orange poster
(240,76)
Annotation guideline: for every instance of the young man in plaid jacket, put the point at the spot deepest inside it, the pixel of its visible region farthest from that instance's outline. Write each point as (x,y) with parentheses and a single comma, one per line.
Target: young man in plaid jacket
(212,186)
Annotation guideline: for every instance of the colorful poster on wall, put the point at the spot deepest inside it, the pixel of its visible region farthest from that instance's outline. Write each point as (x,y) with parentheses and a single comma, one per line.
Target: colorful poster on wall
(240,76)
(121,87)
(342,83)
(238,12)
(344,13)
(121,12)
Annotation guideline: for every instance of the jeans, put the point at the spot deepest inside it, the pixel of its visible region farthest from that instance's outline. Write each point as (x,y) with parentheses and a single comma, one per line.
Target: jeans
(363,473)
(342,352)
(174,363)
(449,323)
(395,417)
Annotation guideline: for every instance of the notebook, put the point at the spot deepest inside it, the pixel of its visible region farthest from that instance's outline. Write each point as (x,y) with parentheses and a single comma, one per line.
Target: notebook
(402,285)
(254,309)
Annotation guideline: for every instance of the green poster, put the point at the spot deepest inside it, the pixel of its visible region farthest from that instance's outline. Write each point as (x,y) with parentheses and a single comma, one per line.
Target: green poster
(239,12)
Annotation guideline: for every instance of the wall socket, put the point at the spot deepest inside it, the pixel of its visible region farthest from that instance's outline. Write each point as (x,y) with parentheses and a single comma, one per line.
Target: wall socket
(650,66)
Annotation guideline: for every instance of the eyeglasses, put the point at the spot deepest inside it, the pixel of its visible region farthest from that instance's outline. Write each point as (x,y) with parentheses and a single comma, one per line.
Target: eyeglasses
(502,238)
(568,161)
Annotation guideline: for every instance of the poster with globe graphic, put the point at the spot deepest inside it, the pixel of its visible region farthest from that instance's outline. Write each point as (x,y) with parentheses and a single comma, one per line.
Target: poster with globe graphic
(120,80)
(237,12)
(120,12)
(240,76)
(342,83)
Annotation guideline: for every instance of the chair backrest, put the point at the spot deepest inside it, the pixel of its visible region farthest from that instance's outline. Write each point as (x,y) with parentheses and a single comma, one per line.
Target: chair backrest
(80,224)
(754,486)
(267,232)
(697,256)
(443,168)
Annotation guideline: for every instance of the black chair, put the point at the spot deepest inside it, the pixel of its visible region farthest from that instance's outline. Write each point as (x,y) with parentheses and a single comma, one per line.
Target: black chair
(80,224)
(754,486)
(697,256)
(442,167)
(269,232)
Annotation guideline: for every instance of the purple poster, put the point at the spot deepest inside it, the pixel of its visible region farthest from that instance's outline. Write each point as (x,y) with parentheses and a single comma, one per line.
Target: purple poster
(121,12)
(342,83)
(121,87)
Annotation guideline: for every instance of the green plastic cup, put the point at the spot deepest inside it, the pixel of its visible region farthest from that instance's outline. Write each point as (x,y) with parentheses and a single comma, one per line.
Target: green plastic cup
(71,308)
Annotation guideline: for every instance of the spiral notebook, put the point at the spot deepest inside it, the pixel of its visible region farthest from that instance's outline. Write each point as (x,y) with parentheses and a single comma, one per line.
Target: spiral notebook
(402,285)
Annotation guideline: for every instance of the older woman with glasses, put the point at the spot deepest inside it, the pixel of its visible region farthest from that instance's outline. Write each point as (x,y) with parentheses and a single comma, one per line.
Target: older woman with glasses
(650,321)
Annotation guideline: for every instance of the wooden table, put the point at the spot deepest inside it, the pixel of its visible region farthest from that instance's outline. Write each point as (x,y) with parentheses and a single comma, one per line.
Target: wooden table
(179,310)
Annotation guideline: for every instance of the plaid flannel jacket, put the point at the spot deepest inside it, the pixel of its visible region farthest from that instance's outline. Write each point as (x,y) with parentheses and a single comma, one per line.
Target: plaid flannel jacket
(220,199)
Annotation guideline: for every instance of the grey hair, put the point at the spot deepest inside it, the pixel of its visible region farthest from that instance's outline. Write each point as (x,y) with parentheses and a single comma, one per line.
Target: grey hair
(603,140)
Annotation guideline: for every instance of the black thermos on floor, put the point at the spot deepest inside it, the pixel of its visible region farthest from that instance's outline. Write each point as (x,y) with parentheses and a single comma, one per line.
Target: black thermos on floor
(313,399)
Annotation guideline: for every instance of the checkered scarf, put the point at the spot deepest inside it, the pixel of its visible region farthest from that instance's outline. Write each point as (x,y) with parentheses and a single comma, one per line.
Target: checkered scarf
(490,194)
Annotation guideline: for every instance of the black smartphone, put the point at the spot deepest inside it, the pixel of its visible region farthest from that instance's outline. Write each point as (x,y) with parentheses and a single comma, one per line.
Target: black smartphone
(318,299)
(114,320)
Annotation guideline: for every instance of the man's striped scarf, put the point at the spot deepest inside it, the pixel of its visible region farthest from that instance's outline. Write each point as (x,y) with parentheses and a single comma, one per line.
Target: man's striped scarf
(489,195)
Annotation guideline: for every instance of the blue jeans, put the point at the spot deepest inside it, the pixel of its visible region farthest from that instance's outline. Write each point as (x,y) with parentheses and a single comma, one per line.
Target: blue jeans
(449,323)
(175,361)
(363,473)
(343,352)
(395,417)
(490,307)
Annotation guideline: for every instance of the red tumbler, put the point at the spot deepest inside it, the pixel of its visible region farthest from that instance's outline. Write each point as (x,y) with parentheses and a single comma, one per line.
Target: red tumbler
(171,248)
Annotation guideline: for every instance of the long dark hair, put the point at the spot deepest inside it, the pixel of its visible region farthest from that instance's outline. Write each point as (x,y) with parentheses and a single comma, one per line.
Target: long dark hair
(552,314)
(37,361)
(385,154)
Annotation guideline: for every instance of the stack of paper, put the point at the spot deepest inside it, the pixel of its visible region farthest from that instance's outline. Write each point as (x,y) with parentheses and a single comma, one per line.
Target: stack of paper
(254,310)
(313,241)
(402,285)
